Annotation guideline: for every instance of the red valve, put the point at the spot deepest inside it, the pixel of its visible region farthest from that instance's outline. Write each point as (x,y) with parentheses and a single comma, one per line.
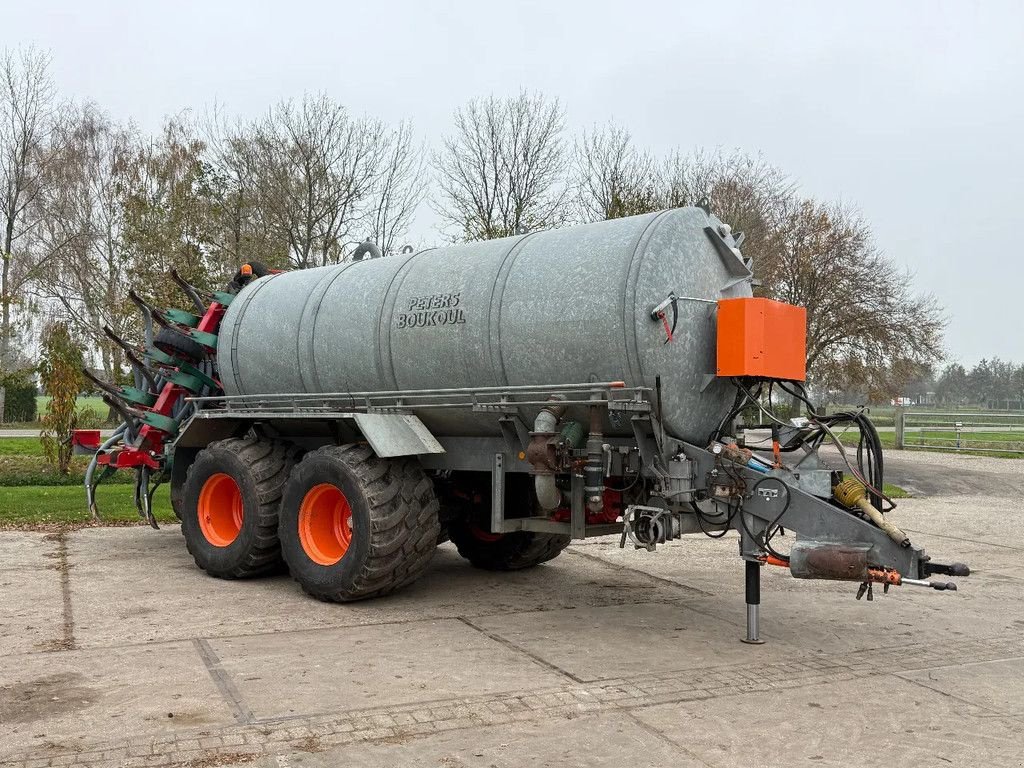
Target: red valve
(664,322)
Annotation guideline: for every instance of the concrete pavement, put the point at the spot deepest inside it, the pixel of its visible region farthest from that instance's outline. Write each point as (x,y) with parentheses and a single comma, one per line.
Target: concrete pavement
(116,651)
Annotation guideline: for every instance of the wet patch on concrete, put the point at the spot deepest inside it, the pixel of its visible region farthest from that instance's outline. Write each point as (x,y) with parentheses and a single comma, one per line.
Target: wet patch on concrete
(45,697)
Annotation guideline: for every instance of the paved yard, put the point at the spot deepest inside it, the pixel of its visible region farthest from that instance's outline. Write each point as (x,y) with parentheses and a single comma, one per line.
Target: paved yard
(117,651)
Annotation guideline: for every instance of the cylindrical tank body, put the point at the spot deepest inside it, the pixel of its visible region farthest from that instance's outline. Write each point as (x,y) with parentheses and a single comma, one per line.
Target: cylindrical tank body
(556,307)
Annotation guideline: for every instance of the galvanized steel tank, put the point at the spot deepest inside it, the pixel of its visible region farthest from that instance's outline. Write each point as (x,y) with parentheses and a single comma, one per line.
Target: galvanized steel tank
(555,307)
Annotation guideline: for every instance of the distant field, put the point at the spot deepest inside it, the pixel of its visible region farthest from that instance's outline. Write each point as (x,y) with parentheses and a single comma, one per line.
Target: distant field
(96,404)
(885,415)
(996,444)
(1004,441)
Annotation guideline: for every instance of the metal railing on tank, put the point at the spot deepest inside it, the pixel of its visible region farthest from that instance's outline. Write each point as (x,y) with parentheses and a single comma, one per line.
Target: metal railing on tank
(484,399)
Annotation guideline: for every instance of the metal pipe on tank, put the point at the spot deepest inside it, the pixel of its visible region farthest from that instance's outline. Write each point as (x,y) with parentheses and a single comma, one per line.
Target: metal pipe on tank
(593,470)
(364,248)
(540,454)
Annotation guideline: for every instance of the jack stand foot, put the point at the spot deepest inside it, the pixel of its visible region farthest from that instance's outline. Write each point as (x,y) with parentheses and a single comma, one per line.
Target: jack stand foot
(753,590)
(753,636)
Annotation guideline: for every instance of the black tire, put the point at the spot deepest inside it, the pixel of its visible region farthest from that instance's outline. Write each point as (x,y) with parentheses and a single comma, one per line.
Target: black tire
(259,469)
(176,343)
(505,552)
(182,460)
(393,530)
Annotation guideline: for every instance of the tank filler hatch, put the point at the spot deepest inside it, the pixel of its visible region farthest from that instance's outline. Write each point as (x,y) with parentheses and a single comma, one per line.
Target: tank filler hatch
(762,338)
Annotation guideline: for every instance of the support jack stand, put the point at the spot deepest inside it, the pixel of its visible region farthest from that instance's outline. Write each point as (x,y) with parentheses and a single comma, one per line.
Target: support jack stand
(753,590)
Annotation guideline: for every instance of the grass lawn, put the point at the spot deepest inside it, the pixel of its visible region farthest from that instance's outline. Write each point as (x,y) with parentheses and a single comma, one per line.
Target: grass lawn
(38,505)
(22,463)
(895,492)
(20,446)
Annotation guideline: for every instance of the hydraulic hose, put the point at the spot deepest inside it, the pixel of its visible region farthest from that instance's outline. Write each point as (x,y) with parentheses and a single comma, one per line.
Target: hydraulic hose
(90,489)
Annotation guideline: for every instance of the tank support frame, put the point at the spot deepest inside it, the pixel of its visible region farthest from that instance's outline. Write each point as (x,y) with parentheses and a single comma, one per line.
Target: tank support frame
(686,488)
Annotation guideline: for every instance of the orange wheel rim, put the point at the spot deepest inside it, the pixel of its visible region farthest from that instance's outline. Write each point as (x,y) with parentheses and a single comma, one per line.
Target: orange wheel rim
(220,510)
(325,524)
(485,536)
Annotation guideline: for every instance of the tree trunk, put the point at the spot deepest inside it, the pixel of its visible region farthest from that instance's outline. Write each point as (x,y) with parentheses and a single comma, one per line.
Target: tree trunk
(5,299)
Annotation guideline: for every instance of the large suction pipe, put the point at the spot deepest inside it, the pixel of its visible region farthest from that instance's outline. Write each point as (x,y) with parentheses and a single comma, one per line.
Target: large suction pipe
(366,249)
(540,454)
(593,471)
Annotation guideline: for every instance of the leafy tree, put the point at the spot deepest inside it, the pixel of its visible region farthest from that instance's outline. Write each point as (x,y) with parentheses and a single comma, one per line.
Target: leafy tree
(751,195)
(952,386)
(60,372)
(861,312)
(20,396)
(1017,386)
(981,382)
(994,383)
(168,215)
(920,382)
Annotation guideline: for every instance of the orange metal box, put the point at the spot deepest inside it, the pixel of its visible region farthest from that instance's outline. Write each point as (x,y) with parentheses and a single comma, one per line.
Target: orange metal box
(761,337)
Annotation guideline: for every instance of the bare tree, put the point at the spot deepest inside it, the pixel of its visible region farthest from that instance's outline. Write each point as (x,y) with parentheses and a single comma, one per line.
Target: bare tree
(862,317)
(81,211)
(613,179)
(502,170)
(27,111)
(243,232)
(400,188)
(316,170)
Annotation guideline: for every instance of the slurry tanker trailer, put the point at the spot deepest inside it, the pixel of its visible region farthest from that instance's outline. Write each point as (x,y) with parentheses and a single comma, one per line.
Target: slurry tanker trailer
(512,395)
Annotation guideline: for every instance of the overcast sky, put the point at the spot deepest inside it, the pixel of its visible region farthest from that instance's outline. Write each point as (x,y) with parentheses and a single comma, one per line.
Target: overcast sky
(913,112)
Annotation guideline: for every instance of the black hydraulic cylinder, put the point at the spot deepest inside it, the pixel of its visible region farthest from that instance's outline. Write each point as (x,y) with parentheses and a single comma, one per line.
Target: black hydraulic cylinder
(753,579)
(753,574)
